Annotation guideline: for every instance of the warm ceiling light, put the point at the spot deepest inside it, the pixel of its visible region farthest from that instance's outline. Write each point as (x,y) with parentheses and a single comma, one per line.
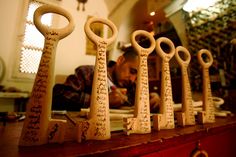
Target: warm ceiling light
(152,13)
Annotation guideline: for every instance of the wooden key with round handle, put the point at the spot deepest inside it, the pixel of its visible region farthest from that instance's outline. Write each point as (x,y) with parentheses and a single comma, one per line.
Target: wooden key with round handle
(38,127)
(186,116)
(165,120)
(208,113)
(140,123)
(97,126)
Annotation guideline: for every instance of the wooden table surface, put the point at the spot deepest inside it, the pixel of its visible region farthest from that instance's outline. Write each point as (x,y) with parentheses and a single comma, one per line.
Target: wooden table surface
(119,144)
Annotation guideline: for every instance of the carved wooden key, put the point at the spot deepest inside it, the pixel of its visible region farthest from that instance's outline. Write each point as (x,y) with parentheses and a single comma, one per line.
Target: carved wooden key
(98,124)
(165,120)
(140,123)
(38,127)
(208,113)
(186,117)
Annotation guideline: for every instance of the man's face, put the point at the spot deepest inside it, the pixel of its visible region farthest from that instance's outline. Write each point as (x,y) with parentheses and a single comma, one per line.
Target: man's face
(126,71)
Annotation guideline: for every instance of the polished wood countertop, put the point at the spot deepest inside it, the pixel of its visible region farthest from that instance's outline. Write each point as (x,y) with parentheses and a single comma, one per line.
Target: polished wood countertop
(119,144)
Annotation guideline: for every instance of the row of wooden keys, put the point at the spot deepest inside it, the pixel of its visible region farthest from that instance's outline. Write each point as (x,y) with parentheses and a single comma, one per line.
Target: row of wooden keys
(39,128)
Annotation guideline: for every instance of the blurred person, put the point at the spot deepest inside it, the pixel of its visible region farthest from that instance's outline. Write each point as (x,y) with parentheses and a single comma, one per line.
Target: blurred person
(75,93)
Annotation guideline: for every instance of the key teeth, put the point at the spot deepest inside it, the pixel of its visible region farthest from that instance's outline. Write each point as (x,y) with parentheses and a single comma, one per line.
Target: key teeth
(87,130)
(157,121)
(132,125)
(129,125)
(203,118)
(82,130)
(181,119)
(160,122)
(56,131)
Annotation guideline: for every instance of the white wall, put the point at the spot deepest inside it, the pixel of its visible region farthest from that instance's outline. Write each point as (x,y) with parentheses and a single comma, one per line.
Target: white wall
(70,51)
(10,12)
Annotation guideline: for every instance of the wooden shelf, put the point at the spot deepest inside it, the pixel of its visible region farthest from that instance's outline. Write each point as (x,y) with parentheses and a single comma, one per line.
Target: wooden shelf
(218,139)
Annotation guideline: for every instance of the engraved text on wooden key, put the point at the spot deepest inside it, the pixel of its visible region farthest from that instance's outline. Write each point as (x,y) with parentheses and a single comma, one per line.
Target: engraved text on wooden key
(38,127)
(186,116)
(165,120)
(208,113)
(141,121)
(98,125)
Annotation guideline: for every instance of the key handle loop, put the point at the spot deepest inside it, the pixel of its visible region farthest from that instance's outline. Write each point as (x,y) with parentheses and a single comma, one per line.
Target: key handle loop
(203,63)
(141,50)
(62,32)
(185,52)
(95,38)
(161,52)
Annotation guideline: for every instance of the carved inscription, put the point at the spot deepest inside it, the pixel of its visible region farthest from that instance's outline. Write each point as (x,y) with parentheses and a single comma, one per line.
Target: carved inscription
(186,116)
(167,97)
(102,92)
(187,99)
(40,99)
(208,105)
(38,127)
(98,125)
(53,132)
(144,94)
(165,120)
(141,122)
(208,113)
